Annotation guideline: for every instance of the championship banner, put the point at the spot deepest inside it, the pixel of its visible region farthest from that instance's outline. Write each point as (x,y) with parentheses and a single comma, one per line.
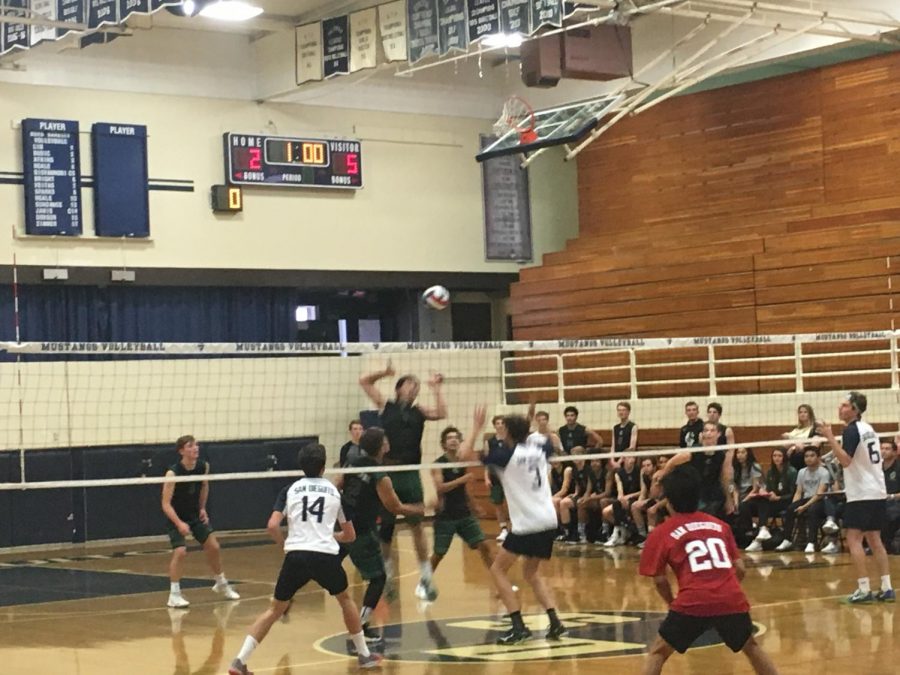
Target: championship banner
(102,12)
(484,18)
(452,25)
(129,7)
(392,26)
(515,17)
(423,29)
(336,46)
(363,40)
(47,10)
(13,35)
(308,51)
(546,13)
(70,11)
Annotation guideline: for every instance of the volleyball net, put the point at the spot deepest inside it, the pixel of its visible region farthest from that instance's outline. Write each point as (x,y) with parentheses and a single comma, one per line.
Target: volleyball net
(102,418)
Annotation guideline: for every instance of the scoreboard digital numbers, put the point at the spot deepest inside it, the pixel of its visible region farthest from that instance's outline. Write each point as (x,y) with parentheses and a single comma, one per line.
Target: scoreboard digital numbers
(52,159)
(254,159)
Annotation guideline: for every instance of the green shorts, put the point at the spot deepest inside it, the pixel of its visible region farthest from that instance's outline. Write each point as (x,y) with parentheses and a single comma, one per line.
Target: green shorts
(365,554)
(497,495)
(467,528)
(408,486)
(201,532)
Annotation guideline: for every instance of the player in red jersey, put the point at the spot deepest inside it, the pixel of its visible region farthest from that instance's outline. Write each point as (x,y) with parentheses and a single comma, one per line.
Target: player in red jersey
(702,552)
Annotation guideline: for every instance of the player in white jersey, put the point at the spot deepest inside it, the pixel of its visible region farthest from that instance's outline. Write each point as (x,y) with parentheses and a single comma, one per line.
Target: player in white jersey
(520,462)
(864,516)
(312,505)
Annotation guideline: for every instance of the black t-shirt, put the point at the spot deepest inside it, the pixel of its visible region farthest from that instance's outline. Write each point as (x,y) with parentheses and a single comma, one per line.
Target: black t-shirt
(186,497)
(557,476)
(631,480)
(494,444)
(723,439)
(582,478)
(456,501)
(348,449)
(360,496)
(403,426)
(710,468)
(690,434)
(622,436)
(598,479)
(892,478)
(571,438)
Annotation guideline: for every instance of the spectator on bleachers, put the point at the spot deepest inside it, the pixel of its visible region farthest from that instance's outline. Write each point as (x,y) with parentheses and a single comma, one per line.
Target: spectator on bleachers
(598,497)
(834,503)
(812,482)
(714,415)
(561,485)
(625,433)
(690,434)
(542,424)
(806,428)
(628,489)
(781,482)
(747,483)
(644,501)
(350,449)
(580,485)
(573,434)
(716,470)
(892,483)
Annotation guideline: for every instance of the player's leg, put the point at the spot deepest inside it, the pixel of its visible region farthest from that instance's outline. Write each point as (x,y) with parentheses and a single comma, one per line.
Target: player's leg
(815,516)
(659,653)
(880,556)
(566,505)
(330,575)
(365,554)
(863,592)
(176,569)
(443,536)
(211,549)
(498,499)
(762,664)
(531,571)
(500,573)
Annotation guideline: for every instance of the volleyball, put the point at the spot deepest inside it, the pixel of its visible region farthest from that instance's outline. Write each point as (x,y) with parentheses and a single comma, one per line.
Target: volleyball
(436,297)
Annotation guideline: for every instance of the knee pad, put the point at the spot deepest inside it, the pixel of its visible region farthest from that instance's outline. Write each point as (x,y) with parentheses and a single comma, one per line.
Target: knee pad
(374,591)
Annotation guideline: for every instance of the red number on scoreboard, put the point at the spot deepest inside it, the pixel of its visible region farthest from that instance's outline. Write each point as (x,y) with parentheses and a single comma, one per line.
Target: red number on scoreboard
(352,163)
(255,162)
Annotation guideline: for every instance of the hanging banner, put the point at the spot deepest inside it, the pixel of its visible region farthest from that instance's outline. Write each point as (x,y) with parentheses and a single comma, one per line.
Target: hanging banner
(452,25)
(13,35)
(336,46)
(70,11)
(484,18)
(308,52)
(515,17)
(546,13)
(423,29)
(129,7)
(102,13)
(363,40)
(392,26)
(507,207)
(45,9)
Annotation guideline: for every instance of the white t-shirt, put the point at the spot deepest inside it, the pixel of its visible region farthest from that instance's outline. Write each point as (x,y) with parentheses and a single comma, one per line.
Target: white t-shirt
(312,506)
(864,478)
(523,472)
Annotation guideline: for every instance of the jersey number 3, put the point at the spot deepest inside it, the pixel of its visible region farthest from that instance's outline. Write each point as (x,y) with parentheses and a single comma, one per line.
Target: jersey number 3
(705,554)
(317,509)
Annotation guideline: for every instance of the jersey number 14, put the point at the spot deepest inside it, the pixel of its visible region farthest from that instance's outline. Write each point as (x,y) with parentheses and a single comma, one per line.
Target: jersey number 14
(317,509)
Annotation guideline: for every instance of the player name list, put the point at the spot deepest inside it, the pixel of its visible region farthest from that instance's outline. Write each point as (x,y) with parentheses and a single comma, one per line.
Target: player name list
(52,176)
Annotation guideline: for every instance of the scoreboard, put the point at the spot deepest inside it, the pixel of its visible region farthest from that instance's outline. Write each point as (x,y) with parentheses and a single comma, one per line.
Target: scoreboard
(281,161)
(51,153)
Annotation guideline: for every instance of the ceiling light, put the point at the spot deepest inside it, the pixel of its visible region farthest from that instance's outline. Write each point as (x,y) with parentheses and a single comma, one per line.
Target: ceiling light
(186,7)
(503,40)
(230,10)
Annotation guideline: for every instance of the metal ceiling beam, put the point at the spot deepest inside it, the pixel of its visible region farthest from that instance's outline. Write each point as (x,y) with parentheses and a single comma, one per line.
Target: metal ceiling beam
(892,24)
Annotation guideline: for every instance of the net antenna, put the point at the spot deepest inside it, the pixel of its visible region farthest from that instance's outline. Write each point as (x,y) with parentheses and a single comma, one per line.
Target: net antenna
(517,117)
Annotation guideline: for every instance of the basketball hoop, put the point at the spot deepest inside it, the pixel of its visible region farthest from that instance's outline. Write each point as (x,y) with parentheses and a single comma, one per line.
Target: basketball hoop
(517,116)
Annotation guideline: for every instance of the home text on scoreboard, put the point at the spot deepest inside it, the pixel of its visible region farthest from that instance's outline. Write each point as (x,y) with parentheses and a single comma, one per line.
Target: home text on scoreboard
(280,161)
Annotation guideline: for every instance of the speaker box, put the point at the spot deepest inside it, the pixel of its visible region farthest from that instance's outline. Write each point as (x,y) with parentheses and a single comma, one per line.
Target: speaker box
(542,62)
(597,53)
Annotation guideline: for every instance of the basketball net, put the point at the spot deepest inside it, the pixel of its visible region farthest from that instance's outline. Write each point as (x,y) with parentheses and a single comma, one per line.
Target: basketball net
(517,116)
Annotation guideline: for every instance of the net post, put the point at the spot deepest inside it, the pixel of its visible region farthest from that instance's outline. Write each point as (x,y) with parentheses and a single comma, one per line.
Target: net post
(632,374)
(560,384)
(798,366)
(711,355)
(895,379)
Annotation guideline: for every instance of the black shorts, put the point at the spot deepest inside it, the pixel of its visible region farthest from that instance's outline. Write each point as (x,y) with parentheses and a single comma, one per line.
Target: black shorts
(301,567)
(867,516)
(534,545)
(680,630)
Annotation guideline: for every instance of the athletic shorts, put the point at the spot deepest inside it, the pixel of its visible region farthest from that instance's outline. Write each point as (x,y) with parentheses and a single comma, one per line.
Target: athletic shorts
(535,545)
(408,486)
(680,630)
(867,516)
(497,494)
(467,528)
(200,530)
(365,554)
(301,567)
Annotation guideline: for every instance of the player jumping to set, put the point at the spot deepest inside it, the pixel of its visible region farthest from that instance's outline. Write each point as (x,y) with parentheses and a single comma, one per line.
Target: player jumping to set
(702,552)
(866,510)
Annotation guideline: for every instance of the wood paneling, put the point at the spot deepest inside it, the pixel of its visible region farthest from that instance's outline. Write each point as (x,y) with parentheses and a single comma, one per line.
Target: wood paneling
(768,207)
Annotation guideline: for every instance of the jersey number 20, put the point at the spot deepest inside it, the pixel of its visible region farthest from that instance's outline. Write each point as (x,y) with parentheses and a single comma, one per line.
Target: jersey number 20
(705,554)
(317,509)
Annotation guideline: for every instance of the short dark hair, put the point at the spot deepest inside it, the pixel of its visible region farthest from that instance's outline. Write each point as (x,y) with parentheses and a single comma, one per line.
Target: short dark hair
(624,404)
(682,488)
(312,459)
(542,413)
(890,442)
(715,406)
(858,401)
(517,427)
(402,381)
(352,422)
(691,403)
(713,424)
(810,448)
(187,439)
(570,409)
(447,431)
(372,440)
(495,418)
